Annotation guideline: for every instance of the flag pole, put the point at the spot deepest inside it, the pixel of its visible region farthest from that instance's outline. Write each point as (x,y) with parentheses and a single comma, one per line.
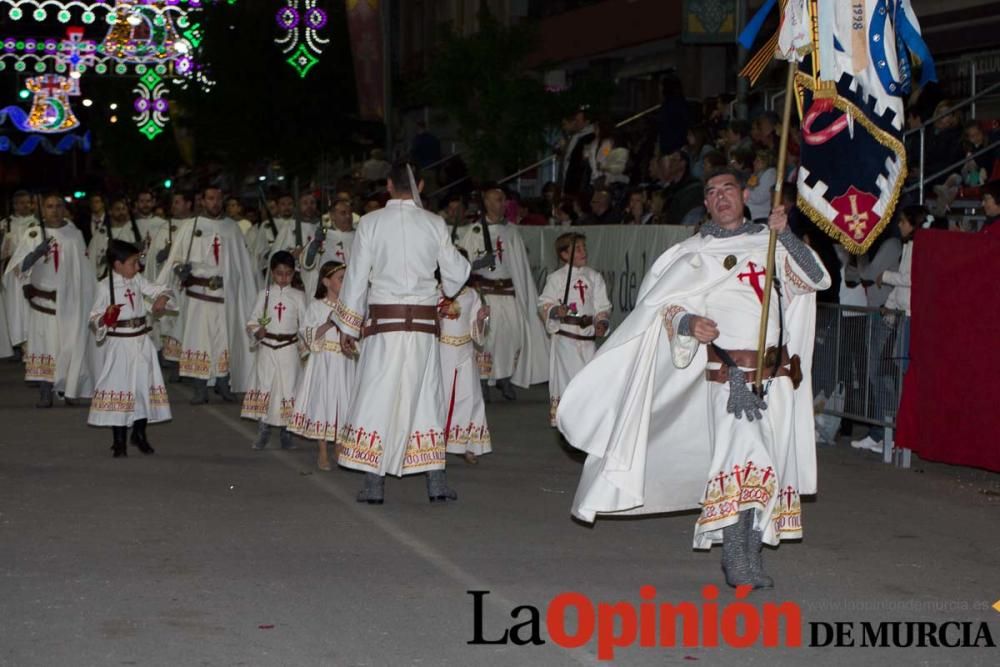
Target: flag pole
(773,238)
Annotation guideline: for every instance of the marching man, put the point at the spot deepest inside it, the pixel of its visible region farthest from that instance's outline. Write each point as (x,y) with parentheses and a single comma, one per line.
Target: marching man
(516,350)
(210,262)
(123,228)
(331,244)
(50,275)
(397,418)
(666,410)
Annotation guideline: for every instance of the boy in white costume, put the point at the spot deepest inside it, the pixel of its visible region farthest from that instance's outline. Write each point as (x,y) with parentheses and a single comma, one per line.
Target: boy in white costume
(51,286)
(273,328)
(130,389)
(463,327)
(666,410)
(397,418)
(574,317)
(516,352)
(324,393)
(209,260)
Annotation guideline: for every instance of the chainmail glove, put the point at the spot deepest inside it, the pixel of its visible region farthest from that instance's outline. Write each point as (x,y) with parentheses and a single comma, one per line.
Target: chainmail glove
(35,255)
(162,254)
(742,401)
(801,255)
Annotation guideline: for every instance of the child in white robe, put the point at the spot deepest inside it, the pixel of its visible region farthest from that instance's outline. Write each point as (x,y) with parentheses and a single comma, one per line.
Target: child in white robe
(324,392)
(463,326)
(574,320)
(274,333)
(130,389)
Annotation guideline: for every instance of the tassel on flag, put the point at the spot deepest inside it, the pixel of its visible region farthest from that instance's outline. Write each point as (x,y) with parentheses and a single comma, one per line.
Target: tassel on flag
(854,61)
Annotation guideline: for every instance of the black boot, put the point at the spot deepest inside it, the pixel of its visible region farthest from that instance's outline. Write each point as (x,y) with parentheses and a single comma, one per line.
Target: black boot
(263,436)
(506,388)
(44,395)
(437,487)
(119,435)
(373,492)
(139,437)
(222,389)
(285,438)
(200,392)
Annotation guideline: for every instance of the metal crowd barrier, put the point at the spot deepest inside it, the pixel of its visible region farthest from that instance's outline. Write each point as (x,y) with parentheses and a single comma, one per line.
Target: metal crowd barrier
(867,350)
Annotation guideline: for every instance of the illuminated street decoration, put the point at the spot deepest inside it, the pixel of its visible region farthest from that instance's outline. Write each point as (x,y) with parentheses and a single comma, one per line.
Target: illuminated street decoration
(50,112)
(300,21)
(143,33)
(151,105)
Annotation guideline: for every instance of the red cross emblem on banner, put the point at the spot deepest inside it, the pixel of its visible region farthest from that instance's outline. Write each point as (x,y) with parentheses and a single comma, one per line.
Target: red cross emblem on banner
(752,276)
(216,248)
(500,250)
(855,213)
(279,308)
(130,295)
(581,287)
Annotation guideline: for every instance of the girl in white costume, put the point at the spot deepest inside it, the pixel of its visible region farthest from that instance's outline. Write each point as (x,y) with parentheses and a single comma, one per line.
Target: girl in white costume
(274,332)
(324,392)
(463,326)
(130,389)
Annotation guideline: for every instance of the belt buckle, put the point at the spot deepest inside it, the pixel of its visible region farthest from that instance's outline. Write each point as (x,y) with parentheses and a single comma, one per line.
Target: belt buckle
(771,357)
(215,282)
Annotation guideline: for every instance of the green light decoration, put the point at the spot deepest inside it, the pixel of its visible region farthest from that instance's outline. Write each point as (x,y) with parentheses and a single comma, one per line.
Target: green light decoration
(302,60)
(151,105)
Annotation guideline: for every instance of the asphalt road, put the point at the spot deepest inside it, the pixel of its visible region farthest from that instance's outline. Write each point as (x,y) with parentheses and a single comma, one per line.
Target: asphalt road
(208,553)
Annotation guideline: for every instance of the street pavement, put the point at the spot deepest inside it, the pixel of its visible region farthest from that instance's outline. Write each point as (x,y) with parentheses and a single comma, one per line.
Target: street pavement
(209,553)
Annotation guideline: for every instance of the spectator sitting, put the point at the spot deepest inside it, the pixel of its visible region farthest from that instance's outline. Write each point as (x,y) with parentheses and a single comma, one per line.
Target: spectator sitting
(764,131)
(657,208)
(943,144)
(532,213)
(575,166)
(761,185)
(608,157)
(977,170)
(636,213)
(564,214)
(683,193)
(991,208)
(711,163)
(697,148)
(736,137)
(601,211)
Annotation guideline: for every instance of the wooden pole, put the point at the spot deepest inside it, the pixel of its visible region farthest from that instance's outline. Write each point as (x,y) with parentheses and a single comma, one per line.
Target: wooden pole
(773,239)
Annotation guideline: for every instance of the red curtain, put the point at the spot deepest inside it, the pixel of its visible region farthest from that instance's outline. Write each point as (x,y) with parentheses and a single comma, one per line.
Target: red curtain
(950,412)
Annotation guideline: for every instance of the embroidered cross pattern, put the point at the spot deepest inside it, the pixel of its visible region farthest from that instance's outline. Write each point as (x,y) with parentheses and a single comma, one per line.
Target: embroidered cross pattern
(216,248)
(752,280)
(130,295)
(280,308)
(500,250)
(857,222)
(581,287)
(54,254)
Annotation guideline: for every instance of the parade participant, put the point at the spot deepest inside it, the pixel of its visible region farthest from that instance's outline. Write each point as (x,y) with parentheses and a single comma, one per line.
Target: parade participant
(324,393)
(298,235)
(273,329)
(129,391)
(234,210)
(282,216)
(96,217)
(576,310)
(396,422)
(332,244)
(463,326)
(516,351)
(15,224)
(210,262)
(52,283)
(150,224)
(168,328)
(666,410)
(123,228)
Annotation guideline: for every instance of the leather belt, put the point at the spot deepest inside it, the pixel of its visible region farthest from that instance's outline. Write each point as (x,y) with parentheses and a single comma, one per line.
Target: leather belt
(790,366)
(205,297)
(30,292)
(574,336)
(41,309)
(582,321)
(129,334)
(128,324)
(213,283)
(502,287)
(405,312)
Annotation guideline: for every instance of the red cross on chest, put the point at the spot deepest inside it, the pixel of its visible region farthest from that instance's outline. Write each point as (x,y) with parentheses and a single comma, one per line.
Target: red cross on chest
(581,288)
(216,248)
(54,254)
(752,278)
(280,308)
(130,295)
(500,250)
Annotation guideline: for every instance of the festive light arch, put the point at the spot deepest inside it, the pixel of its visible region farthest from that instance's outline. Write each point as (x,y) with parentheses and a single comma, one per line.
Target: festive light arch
(300,22)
